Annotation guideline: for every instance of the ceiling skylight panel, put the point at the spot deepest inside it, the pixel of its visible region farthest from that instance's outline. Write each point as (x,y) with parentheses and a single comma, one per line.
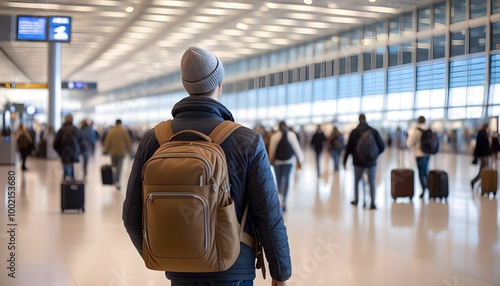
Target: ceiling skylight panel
(123,47)
(288,22)
(180,36)
(317,25)
(145,23)
(274,28)
(158,18)
(205,19)
(134,35)
(140,29)
(224,38)
(165,11)
(352,13)
(214,12)
(380,9)
(111,14)
(279,41)
(301,16)
(197,25)
(171,43)
(261,46)
(174,3)
(233,32)
(104,3)
(233,5)
(250,39)
(264,34)
(344,20)
(306,31)
(48,6)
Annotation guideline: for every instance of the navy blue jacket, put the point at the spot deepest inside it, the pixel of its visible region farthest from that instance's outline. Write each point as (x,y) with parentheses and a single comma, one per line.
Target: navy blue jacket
(251,183)
(353,141)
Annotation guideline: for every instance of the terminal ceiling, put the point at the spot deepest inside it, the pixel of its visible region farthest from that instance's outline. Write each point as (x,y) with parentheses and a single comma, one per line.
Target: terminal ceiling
(119,43)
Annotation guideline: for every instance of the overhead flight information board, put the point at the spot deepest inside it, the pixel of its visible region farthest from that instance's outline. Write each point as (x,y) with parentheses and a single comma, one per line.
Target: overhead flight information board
(44,28)
(31,28)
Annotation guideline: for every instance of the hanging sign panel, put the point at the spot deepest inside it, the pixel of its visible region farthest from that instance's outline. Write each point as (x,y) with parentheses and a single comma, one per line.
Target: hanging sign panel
(31,28)
(43,28)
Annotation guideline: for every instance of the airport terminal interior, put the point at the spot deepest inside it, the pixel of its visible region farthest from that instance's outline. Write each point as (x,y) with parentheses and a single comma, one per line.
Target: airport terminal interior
(308,62)
(403,242)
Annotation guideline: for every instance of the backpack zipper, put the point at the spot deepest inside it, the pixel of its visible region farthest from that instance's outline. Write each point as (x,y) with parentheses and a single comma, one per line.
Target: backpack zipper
(206,164)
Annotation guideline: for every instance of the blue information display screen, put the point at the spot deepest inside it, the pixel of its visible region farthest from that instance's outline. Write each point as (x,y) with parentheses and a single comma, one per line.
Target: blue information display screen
(31,28)
(59,29)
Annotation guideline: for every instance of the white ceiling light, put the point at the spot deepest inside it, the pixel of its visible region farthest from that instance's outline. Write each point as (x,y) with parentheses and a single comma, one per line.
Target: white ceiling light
(173,3)
(242,26)
(372,1)
(308,2)
(129,9)
(232,5)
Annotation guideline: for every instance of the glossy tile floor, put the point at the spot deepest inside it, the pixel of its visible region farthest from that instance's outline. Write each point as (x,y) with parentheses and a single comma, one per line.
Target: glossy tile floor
(332,242)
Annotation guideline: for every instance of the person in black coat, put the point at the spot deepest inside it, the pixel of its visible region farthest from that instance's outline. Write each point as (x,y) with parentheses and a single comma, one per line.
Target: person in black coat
(360,163)
(69,143)
(482,152)
(317,141)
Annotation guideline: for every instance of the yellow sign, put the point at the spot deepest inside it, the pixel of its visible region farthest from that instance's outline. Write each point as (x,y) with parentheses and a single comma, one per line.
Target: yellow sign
(23,85)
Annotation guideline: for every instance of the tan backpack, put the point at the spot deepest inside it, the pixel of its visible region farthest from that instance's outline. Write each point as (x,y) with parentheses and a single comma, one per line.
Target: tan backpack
(189,219)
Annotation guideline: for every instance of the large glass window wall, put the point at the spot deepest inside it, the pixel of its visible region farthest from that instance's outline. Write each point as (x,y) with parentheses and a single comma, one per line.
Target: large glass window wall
(478,8)
(477,39)
(424,19)
(457,10)
(440,15)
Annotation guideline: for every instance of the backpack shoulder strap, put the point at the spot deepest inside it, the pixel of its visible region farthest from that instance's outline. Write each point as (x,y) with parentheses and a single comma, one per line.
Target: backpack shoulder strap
(163,131)
(223,130)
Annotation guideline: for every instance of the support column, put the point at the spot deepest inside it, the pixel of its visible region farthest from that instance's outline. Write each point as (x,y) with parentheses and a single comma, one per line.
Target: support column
(54,107)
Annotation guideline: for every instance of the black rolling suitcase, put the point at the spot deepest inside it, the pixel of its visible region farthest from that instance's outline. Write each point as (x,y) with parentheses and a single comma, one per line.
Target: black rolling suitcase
(438,185)
(72,195)
(107,175)
(402,179)
(402,183)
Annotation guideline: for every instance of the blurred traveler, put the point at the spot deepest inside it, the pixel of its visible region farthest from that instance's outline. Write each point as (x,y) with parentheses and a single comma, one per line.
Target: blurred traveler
(69,144)
(89,140)
(365,144)
(284,152)
(118,144)
(481,152)
(317,142)
(422,158)
(335,146)
(249,174)
(25,144)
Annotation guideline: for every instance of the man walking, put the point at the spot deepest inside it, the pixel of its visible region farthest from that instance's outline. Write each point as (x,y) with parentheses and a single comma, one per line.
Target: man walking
(482,152)
(422,158)
(284,152)
(117,144)
(69,144)
(317,142)
(250,177)
(365,144)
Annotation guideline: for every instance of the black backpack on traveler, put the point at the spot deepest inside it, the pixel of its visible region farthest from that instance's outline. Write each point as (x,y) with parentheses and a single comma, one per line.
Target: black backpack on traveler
(284,150)
(429,142)
(367,149)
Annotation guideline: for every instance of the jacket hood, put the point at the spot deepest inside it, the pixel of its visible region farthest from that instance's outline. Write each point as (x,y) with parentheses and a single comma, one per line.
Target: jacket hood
(192,107)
